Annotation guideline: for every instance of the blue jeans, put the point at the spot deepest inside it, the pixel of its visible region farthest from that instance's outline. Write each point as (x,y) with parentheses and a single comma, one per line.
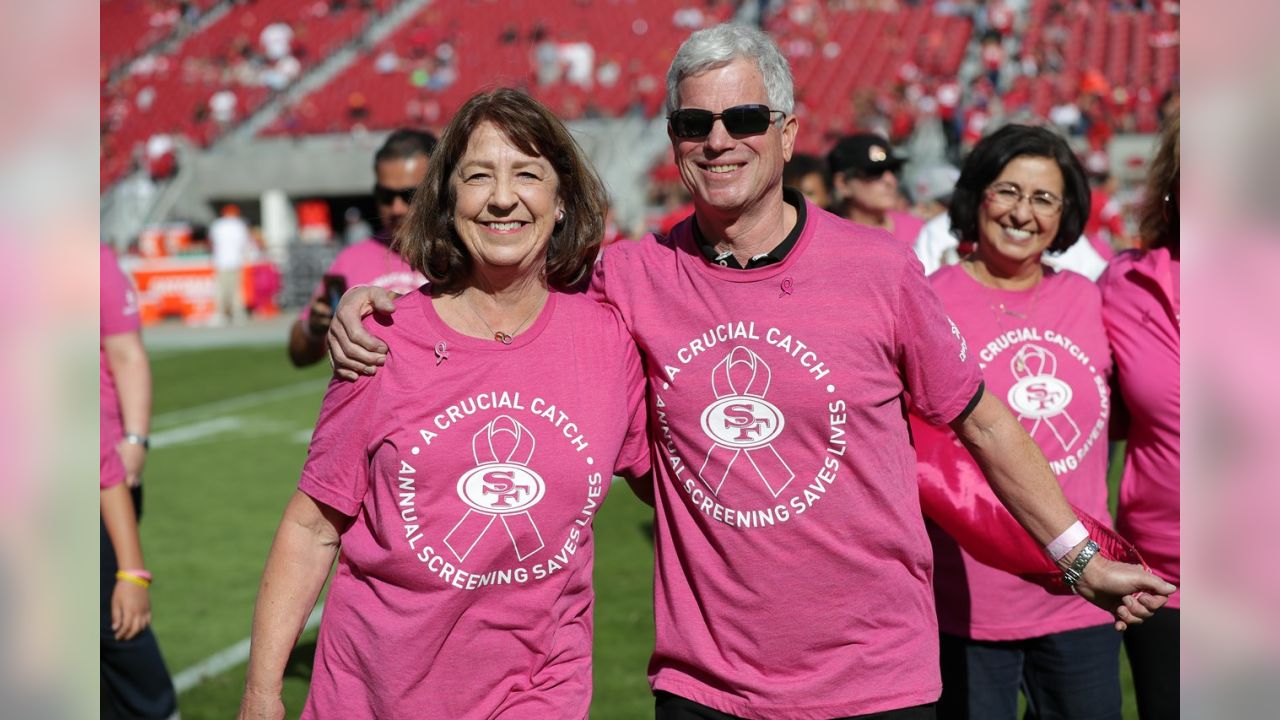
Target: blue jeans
(1072,675)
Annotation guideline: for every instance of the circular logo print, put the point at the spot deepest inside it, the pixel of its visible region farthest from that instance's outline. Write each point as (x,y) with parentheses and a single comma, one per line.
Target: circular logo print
(501,488)
(742,422)
(1039,396)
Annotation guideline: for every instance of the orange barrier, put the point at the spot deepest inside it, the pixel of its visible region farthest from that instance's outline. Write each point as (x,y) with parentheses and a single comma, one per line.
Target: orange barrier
(184,288)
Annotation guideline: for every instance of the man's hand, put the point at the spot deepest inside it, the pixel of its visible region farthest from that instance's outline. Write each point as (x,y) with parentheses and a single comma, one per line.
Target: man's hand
(130,610)
(1128,592)
(134,457)
(353,351)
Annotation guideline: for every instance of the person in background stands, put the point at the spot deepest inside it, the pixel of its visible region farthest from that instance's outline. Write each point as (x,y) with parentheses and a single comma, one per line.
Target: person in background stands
(398,168)
(864,172)
(809,175)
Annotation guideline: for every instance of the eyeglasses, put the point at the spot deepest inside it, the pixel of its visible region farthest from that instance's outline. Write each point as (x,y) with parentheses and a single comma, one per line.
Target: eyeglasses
(1006,196)
(387,196)
(692,123)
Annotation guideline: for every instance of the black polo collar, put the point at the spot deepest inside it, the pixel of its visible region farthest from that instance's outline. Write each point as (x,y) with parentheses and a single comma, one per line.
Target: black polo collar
(792,197)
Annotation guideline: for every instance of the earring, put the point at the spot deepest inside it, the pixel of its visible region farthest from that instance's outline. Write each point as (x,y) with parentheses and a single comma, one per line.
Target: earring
(560,215)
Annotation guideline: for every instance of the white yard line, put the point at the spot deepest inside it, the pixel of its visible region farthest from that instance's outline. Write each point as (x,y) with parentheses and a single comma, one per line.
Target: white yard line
(227,658)
(239,402)
(194,431)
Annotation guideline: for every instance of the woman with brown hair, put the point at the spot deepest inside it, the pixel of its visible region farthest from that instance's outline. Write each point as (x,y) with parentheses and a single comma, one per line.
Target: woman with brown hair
(1142,311)
(461,481)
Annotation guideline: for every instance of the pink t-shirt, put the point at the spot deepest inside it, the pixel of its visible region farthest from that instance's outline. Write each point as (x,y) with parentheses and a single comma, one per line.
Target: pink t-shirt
(1141,307)
(1044,353)
(370,262)
(118,313)
(463,587)
(792,563)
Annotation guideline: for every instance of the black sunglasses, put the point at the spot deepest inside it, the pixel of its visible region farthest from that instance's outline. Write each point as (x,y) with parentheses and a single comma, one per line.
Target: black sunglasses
(690,123)
(387,196)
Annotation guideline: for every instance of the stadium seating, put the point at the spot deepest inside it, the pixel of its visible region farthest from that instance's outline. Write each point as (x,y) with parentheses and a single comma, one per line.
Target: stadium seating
(487,43)
(224,55)
(129,27)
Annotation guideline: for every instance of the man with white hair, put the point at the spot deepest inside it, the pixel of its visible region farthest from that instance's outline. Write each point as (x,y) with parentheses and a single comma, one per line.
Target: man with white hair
(782,346)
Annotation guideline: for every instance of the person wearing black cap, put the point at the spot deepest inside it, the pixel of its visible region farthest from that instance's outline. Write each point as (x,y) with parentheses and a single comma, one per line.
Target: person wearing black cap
(863,168)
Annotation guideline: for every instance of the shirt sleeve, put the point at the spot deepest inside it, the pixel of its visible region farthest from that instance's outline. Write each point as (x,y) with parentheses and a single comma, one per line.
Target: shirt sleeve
(936,362)
(633,458)
(119,301)
(337,469)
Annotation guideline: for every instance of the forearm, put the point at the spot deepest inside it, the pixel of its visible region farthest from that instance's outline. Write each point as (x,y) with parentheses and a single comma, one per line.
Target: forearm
(299,561)
(1017,470)
(131,370)
(122,526)
(304,349)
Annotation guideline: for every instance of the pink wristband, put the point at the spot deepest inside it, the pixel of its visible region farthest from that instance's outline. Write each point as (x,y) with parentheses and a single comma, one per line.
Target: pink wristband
(1069,538)
(139,573)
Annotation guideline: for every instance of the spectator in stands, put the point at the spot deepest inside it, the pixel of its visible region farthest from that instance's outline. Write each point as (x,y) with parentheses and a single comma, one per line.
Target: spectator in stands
(809,175)
(399,166)
(276,40)
(792,570)
(231,244)
(1142,309)
(1105,227)
(135,681)
(222,106)
(863,171)
(1022,193)
(462,480)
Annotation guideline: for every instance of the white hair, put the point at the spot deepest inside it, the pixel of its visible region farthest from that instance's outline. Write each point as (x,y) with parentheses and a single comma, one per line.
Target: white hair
(720,45)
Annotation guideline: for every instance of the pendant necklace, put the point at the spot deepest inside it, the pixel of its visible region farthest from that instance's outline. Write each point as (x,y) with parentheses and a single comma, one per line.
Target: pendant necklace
(498,335)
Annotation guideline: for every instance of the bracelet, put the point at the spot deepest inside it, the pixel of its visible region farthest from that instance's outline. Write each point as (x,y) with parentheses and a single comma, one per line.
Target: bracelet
(139,572)
(136,439)
(130,577)
(1071,576)
(1069,538)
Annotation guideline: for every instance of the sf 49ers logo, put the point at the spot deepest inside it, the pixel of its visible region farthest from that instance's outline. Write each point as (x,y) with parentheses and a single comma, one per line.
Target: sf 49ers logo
(1039,396)
(501,488)
(742,421)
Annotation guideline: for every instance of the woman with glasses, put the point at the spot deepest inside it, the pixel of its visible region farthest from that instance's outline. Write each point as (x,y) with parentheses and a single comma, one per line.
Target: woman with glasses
(1142,309)
(1039,337)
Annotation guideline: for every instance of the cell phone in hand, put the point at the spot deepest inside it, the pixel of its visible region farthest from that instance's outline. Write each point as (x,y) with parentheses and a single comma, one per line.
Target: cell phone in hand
(334,287)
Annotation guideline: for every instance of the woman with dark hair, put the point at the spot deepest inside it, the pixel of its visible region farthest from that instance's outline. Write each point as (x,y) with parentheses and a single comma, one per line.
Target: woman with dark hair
(461,481)
(1038,335)
(1142,310)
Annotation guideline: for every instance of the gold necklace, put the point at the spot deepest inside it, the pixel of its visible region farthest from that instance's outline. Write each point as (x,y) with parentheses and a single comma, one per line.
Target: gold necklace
(1002,309)
(498,335)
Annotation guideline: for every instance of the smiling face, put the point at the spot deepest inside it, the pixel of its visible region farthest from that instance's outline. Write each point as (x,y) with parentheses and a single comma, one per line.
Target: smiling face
(729,174)
(1014,238)
(505,202)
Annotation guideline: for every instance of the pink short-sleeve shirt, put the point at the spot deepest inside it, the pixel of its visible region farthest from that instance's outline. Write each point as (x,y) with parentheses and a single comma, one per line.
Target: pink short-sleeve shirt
(1044,354)
(118,313)
(370,262)
(792,563)
(472,471)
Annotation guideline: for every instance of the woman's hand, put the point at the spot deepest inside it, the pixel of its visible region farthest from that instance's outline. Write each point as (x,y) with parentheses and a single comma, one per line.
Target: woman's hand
(1128,592)
(261,705)
(130,610)
(353,351)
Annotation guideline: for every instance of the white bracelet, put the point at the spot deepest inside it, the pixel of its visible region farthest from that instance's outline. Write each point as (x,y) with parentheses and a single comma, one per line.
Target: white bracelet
(1069,538)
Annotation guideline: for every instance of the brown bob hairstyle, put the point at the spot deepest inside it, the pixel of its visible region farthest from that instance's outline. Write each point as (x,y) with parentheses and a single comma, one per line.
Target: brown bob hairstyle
(427,240)
(1158,216)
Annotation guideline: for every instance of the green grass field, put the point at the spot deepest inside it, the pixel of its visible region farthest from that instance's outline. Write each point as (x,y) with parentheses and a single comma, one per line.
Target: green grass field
(230,433)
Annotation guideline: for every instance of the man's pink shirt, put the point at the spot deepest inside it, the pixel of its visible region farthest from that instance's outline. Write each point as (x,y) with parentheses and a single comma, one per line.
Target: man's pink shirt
(472,472)
(370,262)
(1044,354)
(792,564)
(1141,306)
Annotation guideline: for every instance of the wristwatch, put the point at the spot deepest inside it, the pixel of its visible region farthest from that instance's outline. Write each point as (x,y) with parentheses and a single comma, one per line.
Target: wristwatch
(1071,576)
(136,439)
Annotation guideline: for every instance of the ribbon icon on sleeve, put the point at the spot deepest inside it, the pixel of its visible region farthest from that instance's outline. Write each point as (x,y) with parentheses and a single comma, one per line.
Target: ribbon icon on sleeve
(1039,395)
(742,424)
(500,486)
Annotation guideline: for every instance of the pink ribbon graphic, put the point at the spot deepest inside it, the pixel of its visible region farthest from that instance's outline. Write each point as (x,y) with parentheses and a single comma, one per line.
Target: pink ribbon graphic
(1033,361)
(504,441)
(742,373)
